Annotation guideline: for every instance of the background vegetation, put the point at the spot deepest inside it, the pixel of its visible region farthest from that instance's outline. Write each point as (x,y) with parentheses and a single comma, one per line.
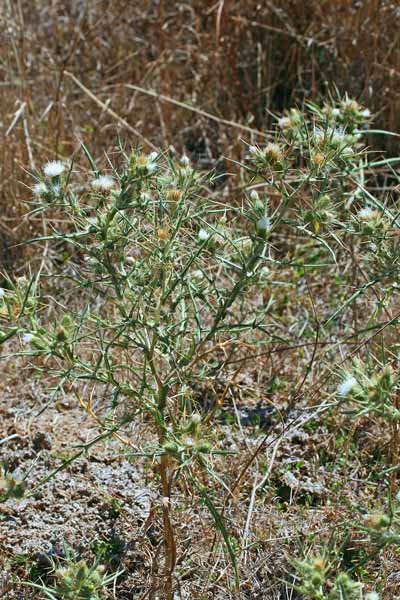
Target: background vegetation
(304,503)
(237,60)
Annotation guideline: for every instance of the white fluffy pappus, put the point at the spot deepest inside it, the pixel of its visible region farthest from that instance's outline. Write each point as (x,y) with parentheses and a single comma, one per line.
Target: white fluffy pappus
(54,168)
(346,386)
(103,182)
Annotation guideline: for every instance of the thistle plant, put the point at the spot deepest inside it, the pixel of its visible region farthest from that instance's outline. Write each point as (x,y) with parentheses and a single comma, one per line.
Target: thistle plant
(75,579)
(327,577)
(158,278)
(162,279)
(11,485)
(318,581)
(370,391)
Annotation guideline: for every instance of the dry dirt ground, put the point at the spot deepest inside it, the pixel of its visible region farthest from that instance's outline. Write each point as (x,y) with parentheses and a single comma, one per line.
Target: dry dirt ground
(105,505)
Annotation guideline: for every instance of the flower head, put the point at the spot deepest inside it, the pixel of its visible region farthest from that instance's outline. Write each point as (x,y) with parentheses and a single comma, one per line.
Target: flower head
(185,161)
(337,135)
(203,235)
(263,224)
(2,293)
(346,386)
(39,188)
(273,152)
(153,156)
(54,168)
(104,182)
(151,167)
(284,122)
(319,134)
(27,338)
(366,213)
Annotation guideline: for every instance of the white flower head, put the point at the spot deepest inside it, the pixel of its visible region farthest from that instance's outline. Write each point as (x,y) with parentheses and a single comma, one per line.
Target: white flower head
(104,182)
(253,149)
(366,113)
(319,134)
(39,188)
(347,151)
(366,213)
(185,160)
(284,122)
(153,156)
(336,112)
(151,167)
(337,135)
(263,224)
(54,168)
(372,596)
(2,293)
(203,235)
(27,338)
(198,275)
(346,386)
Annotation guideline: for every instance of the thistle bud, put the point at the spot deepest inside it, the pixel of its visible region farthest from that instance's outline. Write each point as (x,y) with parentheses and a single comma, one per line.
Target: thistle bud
(263,226)
(319,564)
(194,424)
(203,447)
(254,195)
(61,335)
(173,195)
(377,521)
(163,233)
(171,447)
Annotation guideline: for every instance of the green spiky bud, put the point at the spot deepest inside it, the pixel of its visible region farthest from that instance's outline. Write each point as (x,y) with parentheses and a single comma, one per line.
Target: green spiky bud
(171,447)
(61,335)
(203,447)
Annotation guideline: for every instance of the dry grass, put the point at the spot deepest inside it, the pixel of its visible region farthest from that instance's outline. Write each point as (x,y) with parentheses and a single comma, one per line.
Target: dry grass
(67,74)
(237,60)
